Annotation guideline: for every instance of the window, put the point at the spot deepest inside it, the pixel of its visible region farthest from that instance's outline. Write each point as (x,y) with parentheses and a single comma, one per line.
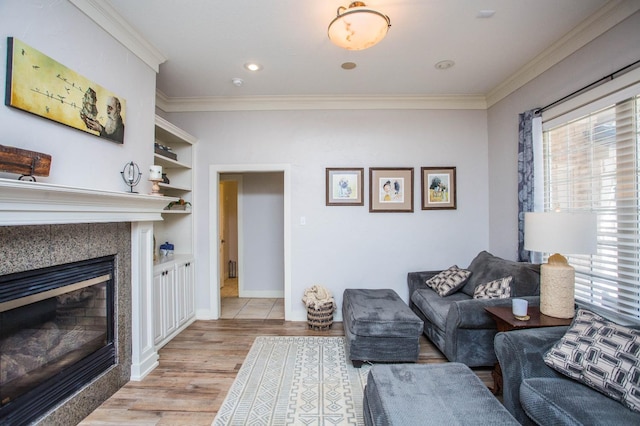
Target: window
(591,162)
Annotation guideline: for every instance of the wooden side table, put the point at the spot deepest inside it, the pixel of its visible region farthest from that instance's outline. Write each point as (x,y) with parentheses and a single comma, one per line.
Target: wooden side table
(505,321)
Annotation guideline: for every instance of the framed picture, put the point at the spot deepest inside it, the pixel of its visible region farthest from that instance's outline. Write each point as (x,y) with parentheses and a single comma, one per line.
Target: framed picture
(39,85)
(390,189)
(438,188)
(344,187)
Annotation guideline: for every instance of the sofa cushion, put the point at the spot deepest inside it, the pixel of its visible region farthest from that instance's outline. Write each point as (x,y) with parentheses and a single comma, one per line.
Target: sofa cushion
(601,354)
(497,289)
(561,401)
(434,307)
(448,281)
(487,267)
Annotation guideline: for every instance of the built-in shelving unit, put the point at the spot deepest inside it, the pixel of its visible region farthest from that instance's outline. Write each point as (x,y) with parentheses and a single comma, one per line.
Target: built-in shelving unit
(177,226)
(173,277)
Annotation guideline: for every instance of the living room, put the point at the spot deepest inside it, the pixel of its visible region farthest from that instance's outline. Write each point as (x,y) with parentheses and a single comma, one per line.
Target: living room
(476,134)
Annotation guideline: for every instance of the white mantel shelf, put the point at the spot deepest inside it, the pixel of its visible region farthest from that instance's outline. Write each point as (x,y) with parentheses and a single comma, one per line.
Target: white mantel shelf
(37,203)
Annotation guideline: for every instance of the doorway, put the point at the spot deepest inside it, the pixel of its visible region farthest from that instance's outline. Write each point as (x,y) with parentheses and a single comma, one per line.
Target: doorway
(251,245)
(228,229)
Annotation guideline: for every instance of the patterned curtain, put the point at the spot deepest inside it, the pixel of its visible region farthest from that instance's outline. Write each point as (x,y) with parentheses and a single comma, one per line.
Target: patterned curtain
(526,177)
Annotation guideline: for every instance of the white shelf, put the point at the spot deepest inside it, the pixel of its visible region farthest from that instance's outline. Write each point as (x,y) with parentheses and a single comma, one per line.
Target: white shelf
(174,187)
(176,211)
(168,163)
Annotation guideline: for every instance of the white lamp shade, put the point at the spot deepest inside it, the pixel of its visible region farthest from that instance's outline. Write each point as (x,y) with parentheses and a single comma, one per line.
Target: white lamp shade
(358,27)
(561,232)
(155,172)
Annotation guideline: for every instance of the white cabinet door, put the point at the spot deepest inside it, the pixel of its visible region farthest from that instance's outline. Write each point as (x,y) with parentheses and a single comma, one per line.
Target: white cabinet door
(173,299)
(190,290)
(158,307)
(170,302)
(181,300)
(186,293)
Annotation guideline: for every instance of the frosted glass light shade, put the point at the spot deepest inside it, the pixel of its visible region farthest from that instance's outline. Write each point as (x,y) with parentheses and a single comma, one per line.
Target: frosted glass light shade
(358,27)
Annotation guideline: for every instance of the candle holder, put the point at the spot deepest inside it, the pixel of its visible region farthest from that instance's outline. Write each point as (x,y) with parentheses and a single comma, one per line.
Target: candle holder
(131,175)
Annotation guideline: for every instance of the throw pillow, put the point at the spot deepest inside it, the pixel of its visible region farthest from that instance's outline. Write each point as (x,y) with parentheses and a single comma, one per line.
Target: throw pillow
(448,281)
(486,267)
(497,289)
(601,354)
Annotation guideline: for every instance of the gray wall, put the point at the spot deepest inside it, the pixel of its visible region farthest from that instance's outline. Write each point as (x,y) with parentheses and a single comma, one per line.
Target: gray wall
(615,49)
(61,31)
(262,247)
(343,247)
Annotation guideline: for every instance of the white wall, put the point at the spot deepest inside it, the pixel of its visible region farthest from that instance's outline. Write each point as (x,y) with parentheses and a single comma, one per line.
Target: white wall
(262,245)
(61,31)
(343,247)
(615,49)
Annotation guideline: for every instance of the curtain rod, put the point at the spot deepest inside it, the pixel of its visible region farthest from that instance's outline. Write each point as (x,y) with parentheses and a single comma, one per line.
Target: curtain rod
(604,79)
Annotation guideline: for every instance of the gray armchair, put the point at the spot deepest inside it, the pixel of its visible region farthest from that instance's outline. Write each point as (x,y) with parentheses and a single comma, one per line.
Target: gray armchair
(529,385)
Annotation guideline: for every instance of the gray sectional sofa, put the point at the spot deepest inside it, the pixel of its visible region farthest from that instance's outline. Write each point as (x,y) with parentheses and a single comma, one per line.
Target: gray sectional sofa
(458,324)
(534,393)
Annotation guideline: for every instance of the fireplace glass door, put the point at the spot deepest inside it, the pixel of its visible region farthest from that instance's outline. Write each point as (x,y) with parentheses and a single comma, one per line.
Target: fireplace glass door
(52,321)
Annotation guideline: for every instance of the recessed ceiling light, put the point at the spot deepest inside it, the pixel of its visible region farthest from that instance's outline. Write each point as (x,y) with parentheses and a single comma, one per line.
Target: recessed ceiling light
(348,65)
(252,66)
(486,13)
(444,65)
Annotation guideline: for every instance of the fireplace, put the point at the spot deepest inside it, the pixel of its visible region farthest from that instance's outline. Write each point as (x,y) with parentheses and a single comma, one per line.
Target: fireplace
(45,225)
(56,334)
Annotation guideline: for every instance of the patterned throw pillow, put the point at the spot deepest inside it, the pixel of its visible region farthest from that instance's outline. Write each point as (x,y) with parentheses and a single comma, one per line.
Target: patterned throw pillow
(497,289)
(601,354)
(448,281)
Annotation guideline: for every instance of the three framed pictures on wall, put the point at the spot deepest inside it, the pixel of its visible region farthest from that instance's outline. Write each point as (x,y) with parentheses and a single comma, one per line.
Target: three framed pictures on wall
(391,188)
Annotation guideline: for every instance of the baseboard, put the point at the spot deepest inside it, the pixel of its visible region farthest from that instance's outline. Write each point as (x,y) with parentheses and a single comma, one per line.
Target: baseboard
(140,371)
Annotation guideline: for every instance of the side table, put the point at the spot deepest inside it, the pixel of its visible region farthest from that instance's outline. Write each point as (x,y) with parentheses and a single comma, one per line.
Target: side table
(505,321)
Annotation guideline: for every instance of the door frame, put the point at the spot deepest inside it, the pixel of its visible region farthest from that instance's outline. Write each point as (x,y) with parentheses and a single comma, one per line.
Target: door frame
(215,170)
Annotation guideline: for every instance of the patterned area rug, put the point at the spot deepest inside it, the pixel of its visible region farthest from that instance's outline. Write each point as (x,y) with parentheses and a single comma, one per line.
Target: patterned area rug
(295,381)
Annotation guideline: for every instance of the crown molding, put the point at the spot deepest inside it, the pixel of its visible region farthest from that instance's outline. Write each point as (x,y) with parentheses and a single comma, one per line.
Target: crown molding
(597,24)
(612,13)
(109,20)
(285,103)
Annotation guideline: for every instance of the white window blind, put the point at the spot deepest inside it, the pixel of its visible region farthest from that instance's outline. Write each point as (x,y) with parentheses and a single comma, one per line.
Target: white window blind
(591,163)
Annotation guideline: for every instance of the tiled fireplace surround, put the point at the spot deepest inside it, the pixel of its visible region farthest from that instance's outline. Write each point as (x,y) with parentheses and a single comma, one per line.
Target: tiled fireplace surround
(45,225)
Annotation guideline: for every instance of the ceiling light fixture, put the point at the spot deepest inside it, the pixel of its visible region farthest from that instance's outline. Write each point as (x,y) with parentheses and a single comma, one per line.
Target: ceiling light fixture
(358,27)
(252,66)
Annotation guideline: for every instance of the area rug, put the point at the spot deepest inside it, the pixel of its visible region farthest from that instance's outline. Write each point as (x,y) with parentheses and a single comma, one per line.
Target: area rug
(295,381)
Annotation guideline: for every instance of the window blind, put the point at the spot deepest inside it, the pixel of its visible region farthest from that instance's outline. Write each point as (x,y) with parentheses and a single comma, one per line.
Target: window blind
(591,162)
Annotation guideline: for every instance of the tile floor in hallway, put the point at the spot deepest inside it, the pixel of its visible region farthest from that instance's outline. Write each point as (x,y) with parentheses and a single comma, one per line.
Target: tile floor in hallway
(233,307)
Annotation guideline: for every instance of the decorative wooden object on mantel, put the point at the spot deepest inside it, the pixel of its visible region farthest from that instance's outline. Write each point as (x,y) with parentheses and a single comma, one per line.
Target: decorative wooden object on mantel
(24,162)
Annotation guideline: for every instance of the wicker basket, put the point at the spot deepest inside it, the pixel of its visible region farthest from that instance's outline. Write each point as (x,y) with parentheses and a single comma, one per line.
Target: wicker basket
(322,318)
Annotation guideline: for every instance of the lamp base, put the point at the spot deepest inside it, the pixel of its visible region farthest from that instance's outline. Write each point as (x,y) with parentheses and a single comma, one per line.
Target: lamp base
(557,282)
(155,188)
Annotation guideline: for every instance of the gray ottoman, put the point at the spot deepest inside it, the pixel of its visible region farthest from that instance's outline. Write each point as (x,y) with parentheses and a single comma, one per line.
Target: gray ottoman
(430,394)
(379,327)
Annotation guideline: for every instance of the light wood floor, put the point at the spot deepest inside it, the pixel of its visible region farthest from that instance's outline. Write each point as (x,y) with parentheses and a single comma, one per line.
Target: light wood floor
(198,367)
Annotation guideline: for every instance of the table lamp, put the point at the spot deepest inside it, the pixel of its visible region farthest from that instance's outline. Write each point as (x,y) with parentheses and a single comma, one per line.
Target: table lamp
(559,232)
(155,176)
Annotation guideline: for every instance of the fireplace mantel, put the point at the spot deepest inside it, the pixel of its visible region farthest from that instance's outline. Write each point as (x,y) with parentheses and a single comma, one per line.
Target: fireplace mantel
(36,203)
